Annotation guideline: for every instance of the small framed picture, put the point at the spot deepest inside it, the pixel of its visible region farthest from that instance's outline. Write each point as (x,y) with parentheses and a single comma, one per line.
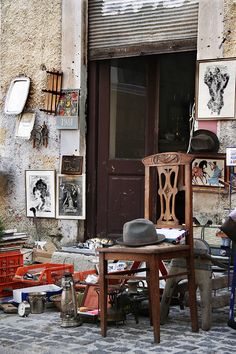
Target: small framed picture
(40,193)
(72,165)
(67,114)
(231,156)
(209,172)
(70,197)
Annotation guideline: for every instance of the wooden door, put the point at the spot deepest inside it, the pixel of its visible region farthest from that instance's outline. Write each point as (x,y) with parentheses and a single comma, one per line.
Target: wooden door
(125,135)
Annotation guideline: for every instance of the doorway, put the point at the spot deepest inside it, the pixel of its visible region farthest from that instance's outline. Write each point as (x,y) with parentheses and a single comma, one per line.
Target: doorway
(137,106)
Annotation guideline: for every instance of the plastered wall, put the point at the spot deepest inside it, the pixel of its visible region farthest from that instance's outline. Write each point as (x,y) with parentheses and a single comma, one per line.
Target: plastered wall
(30,45)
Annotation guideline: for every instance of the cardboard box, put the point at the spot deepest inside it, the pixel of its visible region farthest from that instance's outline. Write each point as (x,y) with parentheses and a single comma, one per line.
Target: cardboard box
(20,295)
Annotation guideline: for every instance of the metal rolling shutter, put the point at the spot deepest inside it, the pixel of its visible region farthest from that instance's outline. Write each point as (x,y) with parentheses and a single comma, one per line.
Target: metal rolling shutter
(119,28)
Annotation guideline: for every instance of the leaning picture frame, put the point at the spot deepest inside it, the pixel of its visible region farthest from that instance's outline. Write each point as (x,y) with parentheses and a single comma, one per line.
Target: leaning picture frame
(40,193)
(71,165)
(70,197)
(210,173)
(215,89)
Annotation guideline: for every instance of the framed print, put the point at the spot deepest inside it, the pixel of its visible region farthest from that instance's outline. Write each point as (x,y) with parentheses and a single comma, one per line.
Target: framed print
(68,110)
(40,193)
(231,156)
(70,197)
(216,89)
(209,172)
(72,165)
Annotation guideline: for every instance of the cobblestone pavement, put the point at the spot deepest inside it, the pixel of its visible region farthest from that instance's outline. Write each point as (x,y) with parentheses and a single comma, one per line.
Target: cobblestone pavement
(42,334)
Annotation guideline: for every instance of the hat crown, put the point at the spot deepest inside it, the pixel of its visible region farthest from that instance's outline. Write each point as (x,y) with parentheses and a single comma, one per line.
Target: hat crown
(139,232)
(204,140)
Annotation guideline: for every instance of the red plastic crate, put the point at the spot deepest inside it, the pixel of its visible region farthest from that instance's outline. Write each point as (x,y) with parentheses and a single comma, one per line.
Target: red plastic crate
(81,276)
(47,273)
(9,263)
(6,289)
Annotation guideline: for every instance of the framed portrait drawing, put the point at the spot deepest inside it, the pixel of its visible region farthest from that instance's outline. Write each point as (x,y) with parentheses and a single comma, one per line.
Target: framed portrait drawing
(70,197)
(71,165)
(209,173)
(216,89)
(40,193)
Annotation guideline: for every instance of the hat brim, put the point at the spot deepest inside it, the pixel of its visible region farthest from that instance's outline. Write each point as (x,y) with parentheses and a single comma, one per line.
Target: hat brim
(210,134)
(160,239)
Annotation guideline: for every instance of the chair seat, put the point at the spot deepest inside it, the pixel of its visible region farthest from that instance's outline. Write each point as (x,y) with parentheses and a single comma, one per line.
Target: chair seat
(164,249)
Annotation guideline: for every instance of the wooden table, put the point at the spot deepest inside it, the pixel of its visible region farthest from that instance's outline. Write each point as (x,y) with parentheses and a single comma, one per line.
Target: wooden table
(153,256)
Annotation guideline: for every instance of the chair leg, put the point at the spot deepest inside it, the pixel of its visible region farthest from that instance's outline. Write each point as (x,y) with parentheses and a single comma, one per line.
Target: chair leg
(149,285)
(154,307)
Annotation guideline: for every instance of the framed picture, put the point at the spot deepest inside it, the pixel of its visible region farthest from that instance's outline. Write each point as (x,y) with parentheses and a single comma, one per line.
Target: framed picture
(40,193)
(67,112)
(72,165)
(216,89)
(231,156)
(209,172)
(70,197)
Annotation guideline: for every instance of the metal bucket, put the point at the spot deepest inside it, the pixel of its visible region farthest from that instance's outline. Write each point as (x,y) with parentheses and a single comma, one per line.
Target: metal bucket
(37,302)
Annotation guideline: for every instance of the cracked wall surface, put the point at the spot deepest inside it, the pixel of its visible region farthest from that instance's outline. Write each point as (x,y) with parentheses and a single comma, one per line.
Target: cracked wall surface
(30,45)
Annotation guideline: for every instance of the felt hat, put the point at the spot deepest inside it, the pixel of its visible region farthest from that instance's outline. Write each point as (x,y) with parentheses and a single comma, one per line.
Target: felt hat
(140,232)
(204,141)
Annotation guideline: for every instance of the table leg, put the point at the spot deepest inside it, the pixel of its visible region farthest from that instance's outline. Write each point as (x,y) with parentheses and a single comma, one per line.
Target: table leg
(149,293)
(192,295)
(103,282)
(155,296)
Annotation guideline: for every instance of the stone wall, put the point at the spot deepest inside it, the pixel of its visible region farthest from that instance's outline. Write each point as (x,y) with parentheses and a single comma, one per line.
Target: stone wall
(30,45)
(229,28)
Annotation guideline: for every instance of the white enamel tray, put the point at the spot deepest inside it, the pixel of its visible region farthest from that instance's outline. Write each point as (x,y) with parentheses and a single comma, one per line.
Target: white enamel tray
(17,95)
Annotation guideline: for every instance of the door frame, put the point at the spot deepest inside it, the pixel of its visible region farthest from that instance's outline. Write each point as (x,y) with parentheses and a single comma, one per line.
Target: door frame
(91,152)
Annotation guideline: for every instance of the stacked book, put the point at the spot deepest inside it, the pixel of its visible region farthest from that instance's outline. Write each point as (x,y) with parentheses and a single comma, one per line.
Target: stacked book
(172,235)
(11,240)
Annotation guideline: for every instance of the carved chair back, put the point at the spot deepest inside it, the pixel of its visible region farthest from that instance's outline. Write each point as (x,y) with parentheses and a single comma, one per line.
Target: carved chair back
(166,176)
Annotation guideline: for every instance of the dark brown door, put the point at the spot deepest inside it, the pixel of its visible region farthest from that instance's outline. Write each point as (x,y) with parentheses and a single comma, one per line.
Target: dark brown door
(125,135)
(127,122)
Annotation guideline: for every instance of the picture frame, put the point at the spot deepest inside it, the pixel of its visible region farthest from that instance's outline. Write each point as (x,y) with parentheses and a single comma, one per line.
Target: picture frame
(231,156)
(71,165)
(40,193)
(70,197)
(210,173)
(215,91)
(67,112)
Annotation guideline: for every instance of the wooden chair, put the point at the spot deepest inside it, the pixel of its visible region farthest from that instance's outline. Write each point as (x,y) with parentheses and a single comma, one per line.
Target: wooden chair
(166,176)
